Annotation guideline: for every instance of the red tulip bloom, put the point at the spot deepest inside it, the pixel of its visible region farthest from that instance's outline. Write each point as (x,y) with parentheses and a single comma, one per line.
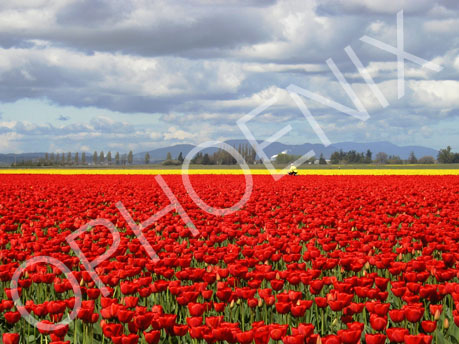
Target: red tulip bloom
(396,334)
(418,339)
(130,339)
(306,330)
(12,317)
(219,307)
(321,302)
(414,314)
(298,339)
(125,316)
(283,307)
(196,309)
(131,301)
(194,321)
(378,323)
(112,330)
(278,331)
(316,286)
(180,330)
(245,337)
(375,338)
(152,337)
(397,315)
(277,284)
(349,336)
(429,326)
(10,338)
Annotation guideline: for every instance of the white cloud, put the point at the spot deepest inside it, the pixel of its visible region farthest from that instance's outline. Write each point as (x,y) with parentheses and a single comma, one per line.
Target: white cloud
(177,134)
(436,93)
(199,66)
(441,26)
(9,142)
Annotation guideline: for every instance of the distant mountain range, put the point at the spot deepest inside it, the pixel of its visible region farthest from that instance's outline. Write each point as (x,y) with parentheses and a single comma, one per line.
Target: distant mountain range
(159,154)
(277,147)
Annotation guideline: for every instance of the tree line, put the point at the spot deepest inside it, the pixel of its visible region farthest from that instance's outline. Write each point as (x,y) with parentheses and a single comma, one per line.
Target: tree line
(75,159)
(446,156)
(220,157)
(353,157)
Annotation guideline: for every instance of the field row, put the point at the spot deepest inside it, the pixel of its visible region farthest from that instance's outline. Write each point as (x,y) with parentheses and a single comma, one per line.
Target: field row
(237,171)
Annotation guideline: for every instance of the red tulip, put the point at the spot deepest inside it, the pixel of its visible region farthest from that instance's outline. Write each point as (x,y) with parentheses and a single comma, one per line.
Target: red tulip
(12,317)
(414,314)
(378,323)
(152,337)
(397,315)
(349,336)
(196,309)
(375,338)
(396,334)
(10,338)
(429,326)
(245,337)
(277,284)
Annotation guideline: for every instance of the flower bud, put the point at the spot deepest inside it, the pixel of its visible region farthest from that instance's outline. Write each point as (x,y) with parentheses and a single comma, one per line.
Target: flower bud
(445,323)
(437,314)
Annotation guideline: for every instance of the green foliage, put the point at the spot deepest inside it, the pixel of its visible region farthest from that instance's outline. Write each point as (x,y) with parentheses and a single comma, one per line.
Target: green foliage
(446,156)
(351,157)
(426,160)
(283,159)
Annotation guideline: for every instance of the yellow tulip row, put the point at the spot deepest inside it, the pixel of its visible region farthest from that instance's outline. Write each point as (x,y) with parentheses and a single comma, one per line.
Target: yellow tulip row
(235,171)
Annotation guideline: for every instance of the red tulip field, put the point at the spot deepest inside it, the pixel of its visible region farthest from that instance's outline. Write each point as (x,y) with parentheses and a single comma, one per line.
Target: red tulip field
(308,259)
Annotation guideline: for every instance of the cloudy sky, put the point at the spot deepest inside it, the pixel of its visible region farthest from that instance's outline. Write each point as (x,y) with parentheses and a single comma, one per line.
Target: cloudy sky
(140,74)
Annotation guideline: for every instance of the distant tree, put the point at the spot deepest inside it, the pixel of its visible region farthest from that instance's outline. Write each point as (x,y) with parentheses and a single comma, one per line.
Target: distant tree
(394,160)
(123,159)
(351,157)
(101,157)
(83,158)
(368,157)
(445,156)
(76,158)
(168,156)
(62,158)
(109,157)
(322,160)
(285,158)
(426,160)
(52,158)
(69,158)
(381,158)
(147,158)
(46,158)
(180,158)
(412,158)
(335,158)
(222,157)
(94,158)
(197,159)
(130,157)
(117,158)
(206,159)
